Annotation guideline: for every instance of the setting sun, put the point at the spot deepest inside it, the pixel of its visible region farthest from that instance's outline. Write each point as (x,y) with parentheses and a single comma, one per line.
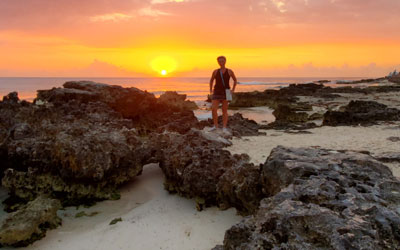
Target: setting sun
(163,64)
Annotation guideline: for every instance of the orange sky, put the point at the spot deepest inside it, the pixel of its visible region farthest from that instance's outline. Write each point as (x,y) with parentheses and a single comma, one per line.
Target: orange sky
(131,38)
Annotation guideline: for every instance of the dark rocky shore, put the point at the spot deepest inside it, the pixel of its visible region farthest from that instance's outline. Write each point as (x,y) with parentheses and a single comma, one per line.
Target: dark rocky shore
(78,144)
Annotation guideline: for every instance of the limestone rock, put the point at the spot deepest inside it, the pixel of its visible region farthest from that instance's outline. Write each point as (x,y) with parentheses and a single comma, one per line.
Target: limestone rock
(239,125)
(29,224)
(322,199)
(197,167)
(361,112)
(178,101)
(72,150)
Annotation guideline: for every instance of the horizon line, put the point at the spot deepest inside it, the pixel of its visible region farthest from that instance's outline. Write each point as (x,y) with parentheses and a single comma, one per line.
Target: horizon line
(172,77)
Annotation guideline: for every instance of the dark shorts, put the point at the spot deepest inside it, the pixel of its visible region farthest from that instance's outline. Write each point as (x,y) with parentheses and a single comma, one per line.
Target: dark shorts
(218,95)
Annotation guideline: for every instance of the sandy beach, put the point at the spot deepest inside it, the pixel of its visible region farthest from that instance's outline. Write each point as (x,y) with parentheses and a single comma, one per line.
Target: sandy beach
(151,219)
(372,139)
(147,216)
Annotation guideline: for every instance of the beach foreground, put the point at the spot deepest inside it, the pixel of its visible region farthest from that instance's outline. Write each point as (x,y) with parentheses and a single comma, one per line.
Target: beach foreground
(325,173)
(151,219)
(374,139)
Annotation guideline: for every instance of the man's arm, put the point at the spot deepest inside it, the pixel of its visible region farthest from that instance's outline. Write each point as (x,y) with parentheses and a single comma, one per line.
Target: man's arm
(234,80)
(212,81)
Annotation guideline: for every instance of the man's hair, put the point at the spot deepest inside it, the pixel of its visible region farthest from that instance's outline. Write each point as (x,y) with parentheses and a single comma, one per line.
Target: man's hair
(221,57)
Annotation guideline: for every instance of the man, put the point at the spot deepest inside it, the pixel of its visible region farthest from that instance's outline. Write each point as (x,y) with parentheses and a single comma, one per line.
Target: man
(218,94)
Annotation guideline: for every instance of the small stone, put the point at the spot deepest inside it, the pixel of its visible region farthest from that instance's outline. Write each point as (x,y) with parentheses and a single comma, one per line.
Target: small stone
(115,221)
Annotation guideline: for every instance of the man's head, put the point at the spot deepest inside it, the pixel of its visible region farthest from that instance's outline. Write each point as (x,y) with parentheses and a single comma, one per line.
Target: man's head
(221,60)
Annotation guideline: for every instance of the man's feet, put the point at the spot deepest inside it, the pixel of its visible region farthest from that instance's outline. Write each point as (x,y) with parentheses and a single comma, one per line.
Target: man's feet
(226,131)
(213,129)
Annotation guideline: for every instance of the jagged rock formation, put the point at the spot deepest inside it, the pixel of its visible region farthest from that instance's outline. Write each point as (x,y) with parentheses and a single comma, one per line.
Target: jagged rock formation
(239,125)
(196,167)
(289,118)
(361,112)
(30,223)
(74,150)
(289,95)
(147,112)
(322,199)
(369,80)
(82,141)
(272,98)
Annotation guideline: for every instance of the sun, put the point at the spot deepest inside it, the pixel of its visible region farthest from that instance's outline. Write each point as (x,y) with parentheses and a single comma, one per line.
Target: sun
(163,65)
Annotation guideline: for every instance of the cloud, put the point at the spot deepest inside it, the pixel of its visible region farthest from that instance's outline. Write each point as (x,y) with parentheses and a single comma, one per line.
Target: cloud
(114,17)
(96,69)
(102,69)
(149,11)
(168,1)
(279,5)
(310,70)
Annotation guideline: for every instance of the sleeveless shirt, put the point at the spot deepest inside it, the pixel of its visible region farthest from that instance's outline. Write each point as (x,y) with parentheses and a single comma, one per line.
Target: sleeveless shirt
(219,86)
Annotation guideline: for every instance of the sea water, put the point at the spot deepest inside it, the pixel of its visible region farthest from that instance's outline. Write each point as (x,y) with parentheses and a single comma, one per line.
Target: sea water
(196,88)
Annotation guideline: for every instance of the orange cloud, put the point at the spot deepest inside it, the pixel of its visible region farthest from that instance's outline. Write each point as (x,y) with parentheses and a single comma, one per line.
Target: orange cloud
(256,35)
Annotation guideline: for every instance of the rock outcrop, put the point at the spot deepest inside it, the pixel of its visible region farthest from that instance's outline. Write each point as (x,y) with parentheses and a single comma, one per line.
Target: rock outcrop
(75,151)
(289,95)
(30,223)
(322,199)
(197,167)
(147,112)
(239,125)
(361,112)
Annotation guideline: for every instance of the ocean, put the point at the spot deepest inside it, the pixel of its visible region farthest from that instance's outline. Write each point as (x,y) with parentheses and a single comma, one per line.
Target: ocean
(196,88)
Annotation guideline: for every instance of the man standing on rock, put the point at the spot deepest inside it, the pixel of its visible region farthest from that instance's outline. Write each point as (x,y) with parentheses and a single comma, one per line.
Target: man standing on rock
(218,94)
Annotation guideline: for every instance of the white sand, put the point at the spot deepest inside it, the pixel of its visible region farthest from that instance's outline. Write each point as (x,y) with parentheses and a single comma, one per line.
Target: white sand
(372,139)
(152,219)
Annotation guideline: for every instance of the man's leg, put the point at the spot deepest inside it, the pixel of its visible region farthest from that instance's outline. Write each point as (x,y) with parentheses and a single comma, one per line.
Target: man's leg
(215,104)
(225,113)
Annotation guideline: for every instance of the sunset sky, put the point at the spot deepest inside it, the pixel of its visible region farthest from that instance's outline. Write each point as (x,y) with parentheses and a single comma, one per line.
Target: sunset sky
(135,38)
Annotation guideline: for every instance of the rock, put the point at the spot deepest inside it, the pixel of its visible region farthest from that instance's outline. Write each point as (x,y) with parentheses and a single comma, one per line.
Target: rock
(289,95)
(131,103)
(322,199)
(370,80)
(214,137)
(316,116)
(144,109)
(285,113)
(83,140)
(29,224)
(303,132)
(73,151)
(286,118)
(59,96)
(240,187)
(394,139)
(11,98)
(389,157)
(239,125)
(196,167)
(115,221)
(284,125)
(361,112)
(395,79)
(177,101)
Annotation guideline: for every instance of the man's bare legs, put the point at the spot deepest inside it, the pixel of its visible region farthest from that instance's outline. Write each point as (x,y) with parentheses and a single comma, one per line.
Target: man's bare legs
(215,104)
(225,113)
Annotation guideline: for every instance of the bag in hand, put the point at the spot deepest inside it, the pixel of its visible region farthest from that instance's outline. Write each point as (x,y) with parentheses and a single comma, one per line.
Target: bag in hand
(228,93)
